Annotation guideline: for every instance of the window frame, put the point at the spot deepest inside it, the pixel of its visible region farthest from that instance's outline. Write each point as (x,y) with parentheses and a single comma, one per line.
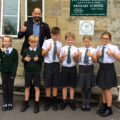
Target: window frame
(18,20)
(43,10)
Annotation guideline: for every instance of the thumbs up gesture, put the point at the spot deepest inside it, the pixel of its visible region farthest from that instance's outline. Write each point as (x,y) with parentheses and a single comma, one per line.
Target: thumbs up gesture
(2,49)
(99,53)
(27,58)
(79,53)
(89,53)
(110,52)
(23,29)
(36,58)
(50,46)
(58,51)
(64,55)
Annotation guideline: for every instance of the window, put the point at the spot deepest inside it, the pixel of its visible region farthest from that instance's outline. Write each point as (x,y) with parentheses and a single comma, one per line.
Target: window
(30,5)
(10,17)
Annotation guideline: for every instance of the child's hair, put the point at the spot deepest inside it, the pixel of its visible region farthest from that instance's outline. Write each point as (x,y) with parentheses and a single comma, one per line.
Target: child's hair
(55,30)
(87,37)
(69,34)
(6,37)
(33,38)
(107,33)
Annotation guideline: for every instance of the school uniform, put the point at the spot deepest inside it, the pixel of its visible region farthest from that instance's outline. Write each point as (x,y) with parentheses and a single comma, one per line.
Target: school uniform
(69,71)
(106,77)
(32,68)
(86,77)
(9,64)
(51,64)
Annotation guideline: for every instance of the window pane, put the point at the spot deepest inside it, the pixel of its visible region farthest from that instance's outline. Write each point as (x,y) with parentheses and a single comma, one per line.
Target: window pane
(32,4)
(10,7)
(9,26)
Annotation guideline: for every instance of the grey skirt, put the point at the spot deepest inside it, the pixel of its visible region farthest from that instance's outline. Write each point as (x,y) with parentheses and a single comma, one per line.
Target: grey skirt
(86,78)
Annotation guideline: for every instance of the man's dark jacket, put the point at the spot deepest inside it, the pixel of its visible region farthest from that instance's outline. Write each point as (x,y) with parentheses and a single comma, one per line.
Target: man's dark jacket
(44,33)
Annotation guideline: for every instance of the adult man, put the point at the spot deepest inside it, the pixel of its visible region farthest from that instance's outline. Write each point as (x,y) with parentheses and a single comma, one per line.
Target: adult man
(36,27)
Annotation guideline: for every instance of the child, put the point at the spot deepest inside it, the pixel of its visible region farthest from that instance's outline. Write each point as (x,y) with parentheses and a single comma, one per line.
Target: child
(32,60)
(106,77)
(86,57)
(9,64)
(50,51)
(69,71)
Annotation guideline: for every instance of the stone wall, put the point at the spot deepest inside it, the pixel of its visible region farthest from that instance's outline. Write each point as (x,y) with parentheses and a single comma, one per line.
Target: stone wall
(57,13)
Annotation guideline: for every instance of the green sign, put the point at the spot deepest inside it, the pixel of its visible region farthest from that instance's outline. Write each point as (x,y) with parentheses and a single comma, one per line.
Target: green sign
(88,7)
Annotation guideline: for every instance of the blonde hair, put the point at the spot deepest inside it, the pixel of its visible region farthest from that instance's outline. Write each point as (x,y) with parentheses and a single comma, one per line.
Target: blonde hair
(33,38)
(69,34)
(87,37)
(10,38)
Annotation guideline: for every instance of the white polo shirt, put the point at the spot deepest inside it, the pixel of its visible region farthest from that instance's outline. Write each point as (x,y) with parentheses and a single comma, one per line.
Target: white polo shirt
(83,50)
(108,58)
(73,50)
(49,57)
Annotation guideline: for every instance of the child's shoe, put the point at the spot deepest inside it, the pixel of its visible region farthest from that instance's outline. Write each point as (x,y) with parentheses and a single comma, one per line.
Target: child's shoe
(24,107)
(63,105)
(4,107)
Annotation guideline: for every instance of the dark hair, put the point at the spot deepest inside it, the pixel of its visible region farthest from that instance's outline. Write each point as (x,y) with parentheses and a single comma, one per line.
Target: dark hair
(55,30)
(87,37)
(107,33)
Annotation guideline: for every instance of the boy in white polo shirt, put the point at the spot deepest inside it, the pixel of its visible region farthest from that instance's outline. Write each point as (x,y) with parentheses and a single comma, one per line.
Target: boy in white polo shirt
(69,72)
(50,51)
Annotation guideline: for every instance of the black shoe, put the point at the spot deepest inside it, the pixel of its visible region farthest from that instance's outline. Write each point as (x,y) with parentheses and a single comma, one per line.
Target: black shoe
(83,107)
(4,107)
(54,104)
(63,105)
(10,106)
(88,107)
(107,113)
(101,110)
(36,107)
(47,104)
(72,105)
(24,107)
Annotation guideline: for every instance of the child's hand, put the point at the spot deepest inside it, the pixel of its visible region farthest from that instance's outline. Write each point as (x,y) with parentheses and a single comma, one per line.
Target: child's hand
(74,56)
(2,49)
(50,46)
(99,53)
(89,53)
(64,55)
(79,54)
(27,58)
(58,51)
(36,58)
(110,52)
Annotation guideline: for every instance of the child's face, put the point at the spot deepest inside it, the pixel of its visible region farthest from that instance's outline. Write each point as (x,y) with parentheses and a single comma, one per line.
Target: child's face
(55,37)
(87,42)
(33,44)
(70,41)
(105,39)
(6,42)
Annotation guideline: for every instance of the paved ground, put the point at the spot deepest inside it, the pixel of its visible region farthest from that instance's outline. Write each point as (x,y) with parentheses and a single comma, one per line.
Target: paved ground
(67,114)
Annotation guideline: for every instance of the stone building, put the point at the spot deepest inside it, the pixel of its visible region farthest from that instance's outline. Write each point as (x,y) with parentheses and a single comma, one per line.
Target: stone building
(57,13)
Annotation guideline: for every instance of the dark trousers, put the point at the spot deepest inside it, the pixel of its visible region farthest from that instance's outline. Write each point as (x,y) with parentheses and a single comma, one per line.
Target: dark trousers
(7,85)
